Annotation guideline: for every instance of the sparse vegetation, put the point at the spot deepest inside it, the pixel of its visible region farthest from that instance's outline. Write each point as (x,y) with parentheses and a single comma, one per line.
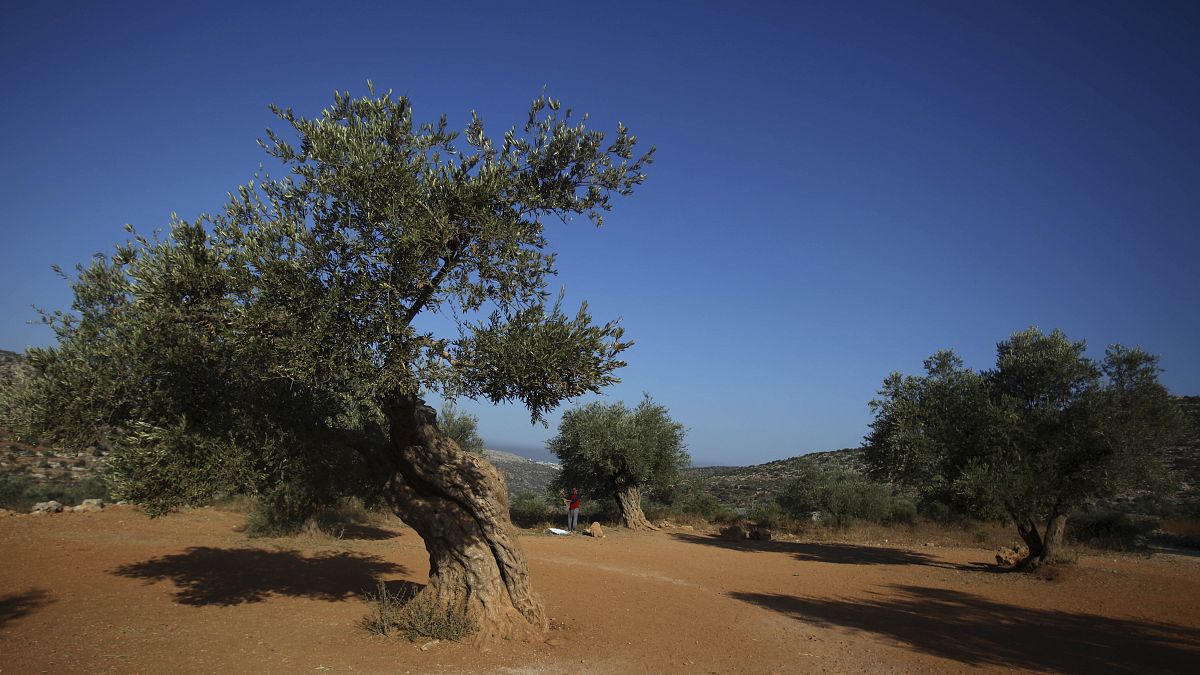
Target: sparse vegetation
(415,616)
(1107,529)
(20,493)
(528,510)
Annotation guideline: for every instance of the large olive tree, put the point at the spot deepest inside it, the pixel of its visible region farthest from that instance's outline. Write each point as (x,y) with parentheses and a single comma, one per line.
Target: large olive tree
(285,340)
(1043,432)
(611,450)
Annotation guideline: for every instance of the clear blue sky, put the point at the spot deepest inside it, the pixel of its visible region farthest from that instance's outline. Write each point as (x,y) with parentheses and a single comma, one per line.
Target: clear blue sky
(841,188)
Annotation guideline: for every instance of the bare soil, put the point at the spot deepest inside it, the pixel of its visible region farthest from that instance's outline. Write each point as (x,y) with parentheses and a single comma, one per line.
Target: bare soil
(116,591)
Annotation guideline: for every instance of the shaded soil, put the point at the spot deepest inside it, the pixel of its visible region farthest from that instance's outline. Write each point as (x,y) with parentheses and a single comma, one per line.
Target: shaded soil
(116,591)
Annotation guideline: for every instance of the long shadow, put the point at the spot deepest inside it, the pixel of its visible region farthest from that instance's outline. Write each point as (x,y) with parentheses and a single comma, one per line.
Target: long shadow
(17,605)
(367,533)
(848,554)
(232,576)
(979,632)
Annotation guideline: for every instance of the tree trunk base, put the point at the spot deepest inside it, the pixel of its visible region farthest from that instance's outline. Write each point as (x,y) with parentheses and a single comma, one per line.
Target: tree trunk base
(458,503)
(629,499)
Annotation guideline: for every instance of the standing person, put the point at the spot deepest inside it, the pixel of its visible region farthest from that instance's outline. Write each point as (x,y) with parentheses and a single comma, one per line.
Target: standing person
(573,510)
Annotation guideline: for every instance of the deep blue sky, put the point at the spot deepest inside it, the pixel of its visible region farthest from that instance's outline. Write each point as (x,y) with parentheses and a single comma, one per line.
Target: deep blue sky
(841,188)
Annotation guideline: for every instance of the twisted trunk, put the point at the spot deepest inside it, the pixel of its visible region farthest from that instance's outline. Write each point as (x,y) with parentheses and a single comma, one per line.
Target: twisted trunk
(1028,530)
(629,499)
(1043,547)
(458,503)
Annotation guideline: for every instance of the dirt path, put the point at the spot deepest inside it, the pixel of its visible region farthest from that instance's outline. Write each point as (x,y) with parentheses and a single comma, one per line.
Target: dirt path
(115,591)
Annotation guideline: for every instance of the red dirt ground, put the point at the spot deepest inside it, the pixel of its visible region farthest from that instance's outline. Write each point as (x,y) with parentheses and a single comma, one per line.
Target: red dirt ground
(116,591)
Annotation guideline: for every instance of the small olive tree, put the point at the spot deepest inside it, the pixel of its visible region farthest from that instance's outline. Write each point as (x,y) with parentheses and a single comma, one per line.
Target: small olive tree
(282,343)
(1043,432)
(461,427)
(613,450)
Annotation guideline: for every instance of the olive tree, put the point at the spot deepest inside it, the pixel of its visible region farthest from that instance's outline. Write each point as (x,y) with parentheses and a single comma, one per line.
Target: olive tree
(1043,432)
(287,339)
(613,450)
(461,427)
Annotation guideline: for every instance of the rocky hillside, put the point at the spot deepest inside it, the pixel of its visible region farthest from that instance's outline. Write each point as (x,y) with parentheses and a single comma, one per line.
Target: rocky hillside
(745,486)
(521,473)
(11,364)
(1184,459)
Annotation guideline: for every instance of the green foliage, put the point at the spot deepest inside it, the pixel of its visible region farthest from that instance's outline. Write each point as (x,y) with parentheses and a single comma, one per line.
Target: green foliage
(767,514)
(461,427)
(842,497)
(20,493)
(604,448)
(415,616)
(248,351)
(527,509)
(1109,529)
(700,503)
(1046,430)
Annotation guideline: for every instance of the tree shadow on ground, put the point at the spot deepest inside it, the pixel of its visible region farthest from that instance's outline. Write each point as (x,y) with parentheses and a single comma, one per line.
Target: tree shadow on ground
(979,632)
(848,554)
(367,532)
(17,605)
(232,576)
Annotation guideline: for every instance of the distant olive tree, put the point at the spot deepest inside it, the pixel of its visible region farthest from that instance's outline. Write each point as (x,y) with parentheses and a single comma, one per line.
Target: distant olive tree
(461,427)
(1043,432)
(613,450)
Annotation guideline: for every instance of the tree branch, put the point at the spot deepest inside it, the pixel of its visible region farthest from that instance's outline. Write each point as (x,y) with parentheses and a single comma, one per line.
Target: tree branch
(450,262)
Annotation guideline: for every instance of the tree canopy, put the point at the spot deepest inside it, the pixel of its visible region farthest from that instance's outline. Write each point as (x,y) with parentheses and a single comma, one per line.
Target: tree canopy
(1043,432)
(244,340)
(282,345)
(612,450)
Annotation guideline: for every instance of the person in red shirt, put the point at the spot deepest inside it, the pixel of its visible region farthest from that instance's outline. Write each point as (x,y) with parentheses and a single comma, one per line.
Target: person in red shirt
(573,510)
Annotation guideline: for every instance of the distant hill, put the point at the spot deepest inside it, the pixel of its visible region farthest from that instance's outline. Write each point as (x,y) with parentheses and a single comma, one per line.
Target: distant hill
(745,486)
(738,486)
(11,363)
(522,473)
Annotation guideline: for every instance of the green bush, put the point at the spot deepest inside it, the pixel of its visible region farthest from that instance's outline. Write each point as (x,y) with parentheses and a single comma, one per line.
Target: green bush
(1109,529)
(701,504)
(901,509)
(842,497)
(20,493)
(769,515)
(527,509)
(15,493)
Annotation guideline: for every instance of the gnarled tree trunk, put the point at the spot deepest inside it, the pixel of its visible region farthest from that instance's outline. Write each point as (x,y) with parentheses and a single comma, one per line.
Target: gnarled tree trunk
(1055,528)
(1028,530)
(1043,547)
(458,503)
(629,499)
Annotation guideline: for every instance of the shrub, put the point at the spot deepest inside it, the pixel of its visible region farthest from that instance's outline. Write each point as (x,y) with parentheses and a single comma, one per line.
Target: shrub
(20,493)
(842,497)
(527,509)
(768,515)
(406,612)
(901,509)
(1109,529)
(701,504)
(15,493)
